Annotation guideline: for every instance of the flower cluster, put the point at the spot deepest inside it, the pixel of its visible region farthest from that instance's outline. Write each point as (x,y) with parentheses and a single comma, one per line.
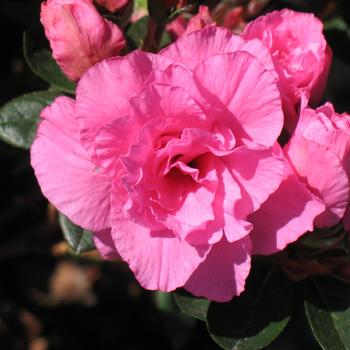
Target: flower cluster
(173,160)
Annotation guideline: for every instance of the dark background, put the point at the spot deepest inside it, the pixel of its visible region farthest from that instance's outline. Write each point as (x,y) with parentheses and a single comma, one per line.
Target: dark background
(50,299)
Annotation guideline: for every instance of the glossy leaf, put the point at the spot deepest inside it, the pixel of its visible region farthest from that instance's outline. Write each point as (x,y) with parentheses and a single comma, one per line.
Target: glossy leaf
(137,31)
(192,306)
(79,239)
(255,318)
(41,62)
(327,306)
(177,326)
(19,117)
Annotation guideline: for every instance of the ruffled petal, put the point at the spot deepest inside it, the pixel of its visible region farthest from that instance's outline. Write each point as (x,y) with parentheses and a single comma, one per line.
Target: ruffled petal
(158,259)
(65,172)
(105,244)
(222,274)
(246,96)
(105,91)
(196,47)
(284,217)
(324,173)
(259,172)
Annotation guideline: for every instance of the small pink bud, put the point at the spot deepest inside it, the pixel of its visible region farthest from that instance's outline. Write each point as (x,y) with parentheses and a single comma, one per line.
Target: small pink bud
(79,37)
(112,5)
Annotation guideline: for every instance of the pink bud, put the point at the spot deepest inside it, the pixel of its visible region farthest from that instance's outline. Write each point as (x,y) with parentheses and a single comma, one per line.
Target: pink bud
(180,27)
(200,20)
(112,5)
(79,37)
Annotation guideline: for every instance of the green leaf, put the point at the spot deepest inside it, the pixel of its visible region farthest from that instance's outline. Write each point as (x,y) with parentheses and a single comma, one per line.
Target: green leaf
(19,117)
(41,62)
(337,23)
(327,306)
(141,4)
(137,31)
(79,239)
(192,306)
(177,326)
(255,318)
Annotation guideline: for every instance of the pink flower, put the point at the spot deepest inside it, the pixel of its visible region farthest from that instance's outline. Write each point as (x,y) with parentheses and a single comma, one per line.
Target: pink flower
(179,26)
(79,37)
(300,54)
(201,20)
(112,5)
(320,154)
(234,19)
(286,215)
(166,156)
(176,27)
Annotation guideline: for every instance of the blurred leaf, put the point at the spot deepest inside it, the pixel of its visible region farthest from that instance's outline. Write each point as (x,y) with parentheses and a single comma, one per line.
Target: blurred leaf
(79,239)
(141,4)
(192,306)
(160,10)
(327,306)
(41,62)
(165,301)
(165,41)
(19,117)
(178,327)
(337,23)
(255,318)
(137,31)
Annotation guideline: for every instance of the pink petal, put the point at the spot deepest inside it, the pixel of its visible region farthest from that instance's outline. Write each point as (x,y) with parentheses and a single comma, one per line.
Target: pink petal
(284,217)
(113,141)
(159,259)
(64,170)
(180,76)
(327,128)
(201,20)
(166,101)
(195,212)
(228,195)
(324,173)
(223,273)
(104,92)
(259,172)
(198,46)
(253,115)
(113,5)
(105,244)
(320,85)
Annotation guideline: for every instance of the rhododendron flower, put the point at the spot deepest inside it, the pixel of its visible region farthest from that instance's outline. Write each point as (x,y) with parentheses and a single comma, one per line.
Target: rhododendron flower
(79,37)
(113,5)
(319,152)
(166,156)
(300,54)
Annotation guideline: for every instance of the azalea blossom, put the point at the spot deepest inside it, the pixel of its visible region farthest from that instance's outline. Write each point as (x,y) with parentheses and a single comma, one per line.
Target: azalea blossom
(166,156)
